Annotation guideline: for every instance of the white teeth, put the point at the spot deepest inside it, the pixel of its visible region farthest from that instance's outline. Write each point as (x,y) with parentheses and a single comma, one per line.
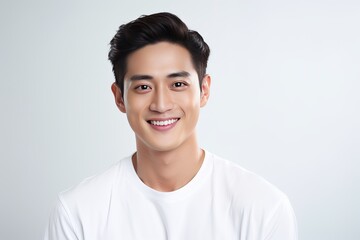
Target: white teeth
(163,123)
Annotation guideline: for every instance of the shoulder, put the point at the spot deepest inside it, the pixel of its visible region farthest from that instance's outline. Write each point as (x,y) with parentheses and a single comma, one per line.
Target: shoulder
(85,204)
(246,187)
(260,203)
(96,188)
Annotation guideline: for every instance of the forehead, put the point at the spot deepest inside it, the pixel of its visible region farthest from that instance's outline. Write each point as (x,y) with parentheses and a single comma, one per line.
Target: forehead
(159,58)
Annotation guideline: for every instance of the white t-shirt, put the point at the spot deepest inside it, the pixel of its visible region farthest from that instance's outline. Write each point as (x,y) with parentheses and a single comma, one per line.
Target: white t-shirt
(223,201)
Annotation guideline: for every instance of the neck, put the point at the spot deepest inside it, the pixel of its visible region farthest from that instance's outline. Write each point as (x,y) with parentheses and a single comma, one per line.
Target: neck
(168,170)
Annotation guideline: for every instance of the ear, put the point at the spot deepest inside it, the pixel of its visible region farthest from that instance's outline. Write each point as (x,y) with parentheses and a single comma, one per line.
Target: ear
(205,90)
(118,97)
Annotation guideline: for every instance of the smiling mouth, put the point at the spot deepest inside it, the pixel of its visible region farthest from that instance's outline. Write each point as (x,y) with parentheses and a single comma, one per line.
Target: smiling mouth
(163,122)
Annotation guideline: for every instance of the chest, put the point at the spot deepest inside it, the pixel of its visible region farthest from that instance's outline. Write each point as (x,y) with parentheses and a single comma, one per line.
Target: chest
(204,215)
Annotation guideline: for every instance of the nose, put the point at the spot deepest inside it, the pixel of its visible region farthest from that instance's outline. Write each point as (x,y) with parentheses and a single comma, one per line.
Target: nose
(161,101)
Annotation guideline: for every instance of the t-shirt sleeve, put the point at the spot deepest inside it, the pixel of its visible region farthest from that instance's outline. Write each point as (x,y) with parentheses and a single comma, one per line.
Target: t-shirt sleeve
(60,226)
(282,224)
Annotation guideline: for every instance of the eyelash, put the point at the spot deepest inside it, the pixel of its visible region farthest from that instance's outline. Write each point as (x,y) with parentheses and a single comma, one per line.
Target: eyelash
(182,84)
(140,87)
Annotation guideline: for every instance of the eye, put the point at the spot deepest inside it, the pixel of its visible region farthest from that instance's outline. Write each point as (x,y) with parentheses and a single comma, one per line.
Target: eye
(142,88)
(179,84)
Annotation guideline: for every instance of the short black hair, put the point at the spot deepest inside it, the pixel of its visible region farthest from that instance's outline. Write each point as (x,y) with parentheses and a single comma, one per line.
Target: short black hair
(151,29)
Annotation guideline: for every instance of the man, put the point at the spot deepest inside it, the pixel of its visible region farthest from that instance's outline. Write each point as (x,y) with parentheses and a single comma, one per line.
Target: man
(169,188)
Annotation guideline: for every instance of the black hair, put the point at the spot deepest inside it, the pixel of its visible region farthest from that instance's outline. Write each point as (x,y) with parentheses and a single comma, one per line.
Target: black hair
(150,29)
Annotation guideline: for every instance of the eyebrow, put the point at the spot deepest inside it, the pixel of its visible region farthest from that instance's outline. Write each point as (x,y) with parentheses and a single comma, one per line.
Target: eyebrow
(179,74)
(140,77)
(149,77)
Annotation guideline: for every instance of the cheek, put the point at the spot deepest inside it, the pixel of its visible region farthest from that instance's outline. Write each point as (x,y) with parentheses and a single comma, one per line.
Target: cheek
(135,120)
(193,99)
(191,105)
(135,104)
(135,109)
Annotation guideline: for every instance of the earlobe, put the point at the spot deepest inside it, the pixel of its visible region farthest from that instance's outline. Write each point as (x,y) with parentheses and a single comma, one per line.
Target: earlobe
(205,90)
(118,97)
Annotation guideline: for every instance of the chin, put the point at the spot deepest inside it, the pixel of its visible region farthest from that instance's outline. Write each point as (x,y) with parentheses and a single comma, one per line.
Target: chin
(162,147)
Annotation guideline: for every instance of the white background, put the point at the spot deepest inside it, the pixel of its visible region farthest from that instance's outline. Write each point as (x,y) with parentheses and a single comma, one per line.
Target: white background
(284,104)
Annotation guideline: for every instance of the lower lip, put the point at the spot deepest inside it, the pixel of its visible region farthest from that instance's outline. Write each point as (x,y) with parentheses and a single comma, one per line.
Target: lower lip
(163,128)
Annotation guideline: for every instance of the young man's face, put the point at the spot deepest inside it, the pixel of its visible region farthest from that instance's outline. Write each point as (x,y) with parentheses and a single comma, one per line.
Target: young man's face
(162,96)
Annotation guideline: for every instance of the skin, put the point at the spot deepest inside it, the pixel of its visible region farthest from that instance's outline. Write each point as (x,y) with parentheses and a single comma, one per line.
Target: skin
(161,83)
